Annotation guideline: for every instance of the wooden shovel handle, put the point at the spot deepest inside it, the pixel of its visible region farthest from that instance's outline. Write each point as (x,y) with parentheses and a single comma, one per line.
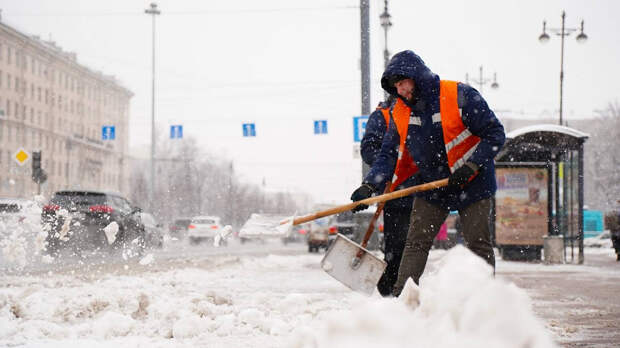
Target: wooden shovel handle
(372,200)
(371,225)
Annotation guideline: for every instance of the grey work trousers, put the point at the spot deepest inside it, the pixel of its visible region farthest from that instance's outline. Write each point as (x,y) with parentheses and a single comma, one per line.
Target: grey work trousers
(426,219)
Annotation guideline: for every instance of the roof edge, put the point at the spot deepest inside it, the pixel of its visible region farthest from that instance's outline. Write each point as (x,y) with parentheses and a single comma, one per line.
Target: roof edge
(552,128)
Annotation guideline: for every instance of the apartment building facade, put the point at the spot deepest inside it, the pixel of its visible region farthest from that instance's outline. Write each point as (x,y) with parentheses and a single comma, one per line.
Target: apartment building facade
(51,103)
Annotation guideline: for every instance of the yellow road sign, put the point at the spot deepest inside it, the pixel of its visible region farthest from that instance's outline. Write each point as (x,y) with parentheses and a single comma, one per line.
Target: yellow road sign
(21,156)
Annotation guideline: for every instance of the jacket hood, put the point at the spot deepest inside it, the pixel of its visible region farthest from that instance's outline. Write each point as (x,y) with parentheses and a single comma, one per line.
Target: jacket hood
(409,64)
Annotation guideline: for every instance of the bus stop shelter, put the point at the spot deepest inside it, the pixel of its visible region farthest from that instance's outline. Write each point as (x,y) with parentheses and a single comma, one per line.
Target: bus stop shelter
(540,191)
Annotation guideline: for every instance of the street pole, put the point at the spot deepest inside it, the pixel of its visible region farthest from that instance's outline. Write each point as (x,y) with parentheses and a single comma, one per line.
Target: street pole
(562,32)
(386,23)
(481,81)
(153,11)
(365,55)
(562,66)
(365,64)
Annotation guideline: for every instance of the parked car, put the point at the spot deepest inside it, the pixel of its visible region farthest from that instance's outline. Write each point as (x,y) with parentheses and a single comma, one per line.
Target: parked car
(203,228)
(261,227)
(84,220)
(154,236)
(298,234)
(321,233)
(178,228)
(602,240)
(15,210)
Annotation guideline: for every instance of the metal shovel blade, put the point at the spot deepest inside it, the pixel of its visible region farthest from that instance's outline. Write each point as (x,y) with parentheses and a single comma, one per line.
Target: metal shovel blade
(361,274)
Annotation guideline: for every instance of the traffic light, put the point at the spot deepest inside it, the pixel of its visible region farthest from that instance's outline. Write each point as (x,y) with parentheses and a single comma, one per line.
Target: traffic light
(38,174)
(36,161)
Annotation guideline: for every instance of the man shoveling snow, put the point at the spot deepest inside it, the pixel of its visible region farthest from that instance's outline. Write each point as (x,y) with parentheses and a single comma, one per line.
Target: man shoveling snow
(449,131)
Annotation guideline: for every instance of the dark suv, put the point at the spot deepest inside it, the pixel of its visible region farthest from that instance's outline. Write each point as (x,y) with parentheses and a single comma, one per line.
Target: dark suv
(82,220)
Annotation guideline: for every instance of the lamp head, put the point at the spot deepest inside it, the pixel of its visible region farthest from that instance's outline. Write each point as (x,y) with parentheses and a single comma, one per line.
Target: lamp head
(544,37)
(582,37)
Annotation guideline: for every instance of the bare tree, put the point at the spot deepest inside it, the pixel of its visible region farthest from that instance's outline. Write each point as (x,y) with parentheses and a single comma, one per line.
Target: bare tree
(190,182)
(602,159)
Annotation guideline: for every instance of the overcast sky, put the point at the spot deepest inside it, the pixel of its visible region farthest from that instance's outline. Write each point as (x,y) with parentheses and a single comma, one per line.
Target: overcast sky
(283,64)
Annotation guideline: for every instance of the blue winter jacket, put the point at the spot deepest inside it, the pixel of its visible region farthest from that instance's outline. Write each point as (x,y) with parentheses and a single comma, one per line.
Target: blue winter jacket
(370,149)
(425,142)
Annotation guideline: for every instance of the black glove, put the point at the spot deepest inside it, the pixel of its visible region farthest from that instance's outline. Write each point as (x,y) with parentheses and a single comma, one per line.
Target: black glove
(362,192)
(462,176)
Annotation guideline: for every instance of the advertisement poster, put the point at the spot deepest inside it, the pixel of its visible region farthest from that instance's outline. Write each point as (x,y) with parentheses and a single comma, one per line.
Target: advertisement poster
(521,206)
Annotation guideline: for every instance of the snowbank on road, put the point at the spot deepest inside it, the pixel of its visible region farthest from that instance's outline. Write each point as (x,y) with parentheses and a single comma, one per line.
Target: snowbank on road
(459,305)
(273,301)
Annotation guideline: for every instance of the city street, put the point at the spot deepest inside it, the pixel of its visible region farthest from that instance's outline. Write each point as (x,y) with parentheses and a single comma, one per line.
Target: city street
(272,295)
(173,173)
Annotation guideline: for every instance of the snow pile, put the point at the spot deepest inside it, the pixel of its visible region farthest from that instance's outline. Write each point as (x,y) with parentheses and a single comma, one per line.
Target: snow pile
(273,301)
(110,231)
(224,233)
(21,238)
(459,305)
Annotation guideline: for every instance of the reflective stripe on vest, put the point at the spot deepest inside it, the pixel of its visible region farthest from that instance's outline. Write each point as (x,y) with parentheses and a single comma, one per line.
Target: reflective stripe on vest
(405,166)
(460,142)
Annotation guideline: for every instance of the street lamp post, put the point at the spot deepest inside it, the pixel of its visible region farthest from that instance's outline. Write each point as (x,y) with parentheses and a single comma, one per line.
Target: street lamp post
(386,23)
(562,32)
(481,81)
(153,11)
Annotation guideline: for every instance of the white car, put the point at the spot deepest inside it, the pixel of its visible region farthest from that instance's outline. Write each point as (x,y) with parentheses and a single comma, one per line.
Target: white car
(602,240)
(203,228)
(262,226)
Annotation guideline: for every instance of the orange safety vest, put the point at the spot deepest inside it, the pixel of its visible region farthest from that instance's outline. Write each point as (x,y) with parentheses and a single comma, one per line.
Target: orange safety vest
(459,141)
(405,166)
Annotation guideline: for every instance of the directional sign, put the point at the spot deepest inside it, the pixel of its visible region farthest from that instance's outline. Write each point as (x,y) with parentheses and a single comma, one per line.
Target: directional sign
(21,156)
(320,127)
(359,127)
(108,133)
(249,130)
(176,132)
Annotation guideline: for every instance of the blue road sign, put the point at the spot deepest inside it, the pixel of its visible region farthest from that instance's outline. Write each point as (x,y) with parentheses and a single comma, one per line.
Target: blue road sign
(176,132)
(249,130)
(108,133)
(359,127)
(320,127)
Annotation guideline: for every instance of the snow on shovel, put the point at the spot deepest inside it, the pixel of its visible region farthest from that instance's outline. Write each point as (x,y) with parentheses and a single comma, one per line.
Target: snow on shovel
(351,263)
